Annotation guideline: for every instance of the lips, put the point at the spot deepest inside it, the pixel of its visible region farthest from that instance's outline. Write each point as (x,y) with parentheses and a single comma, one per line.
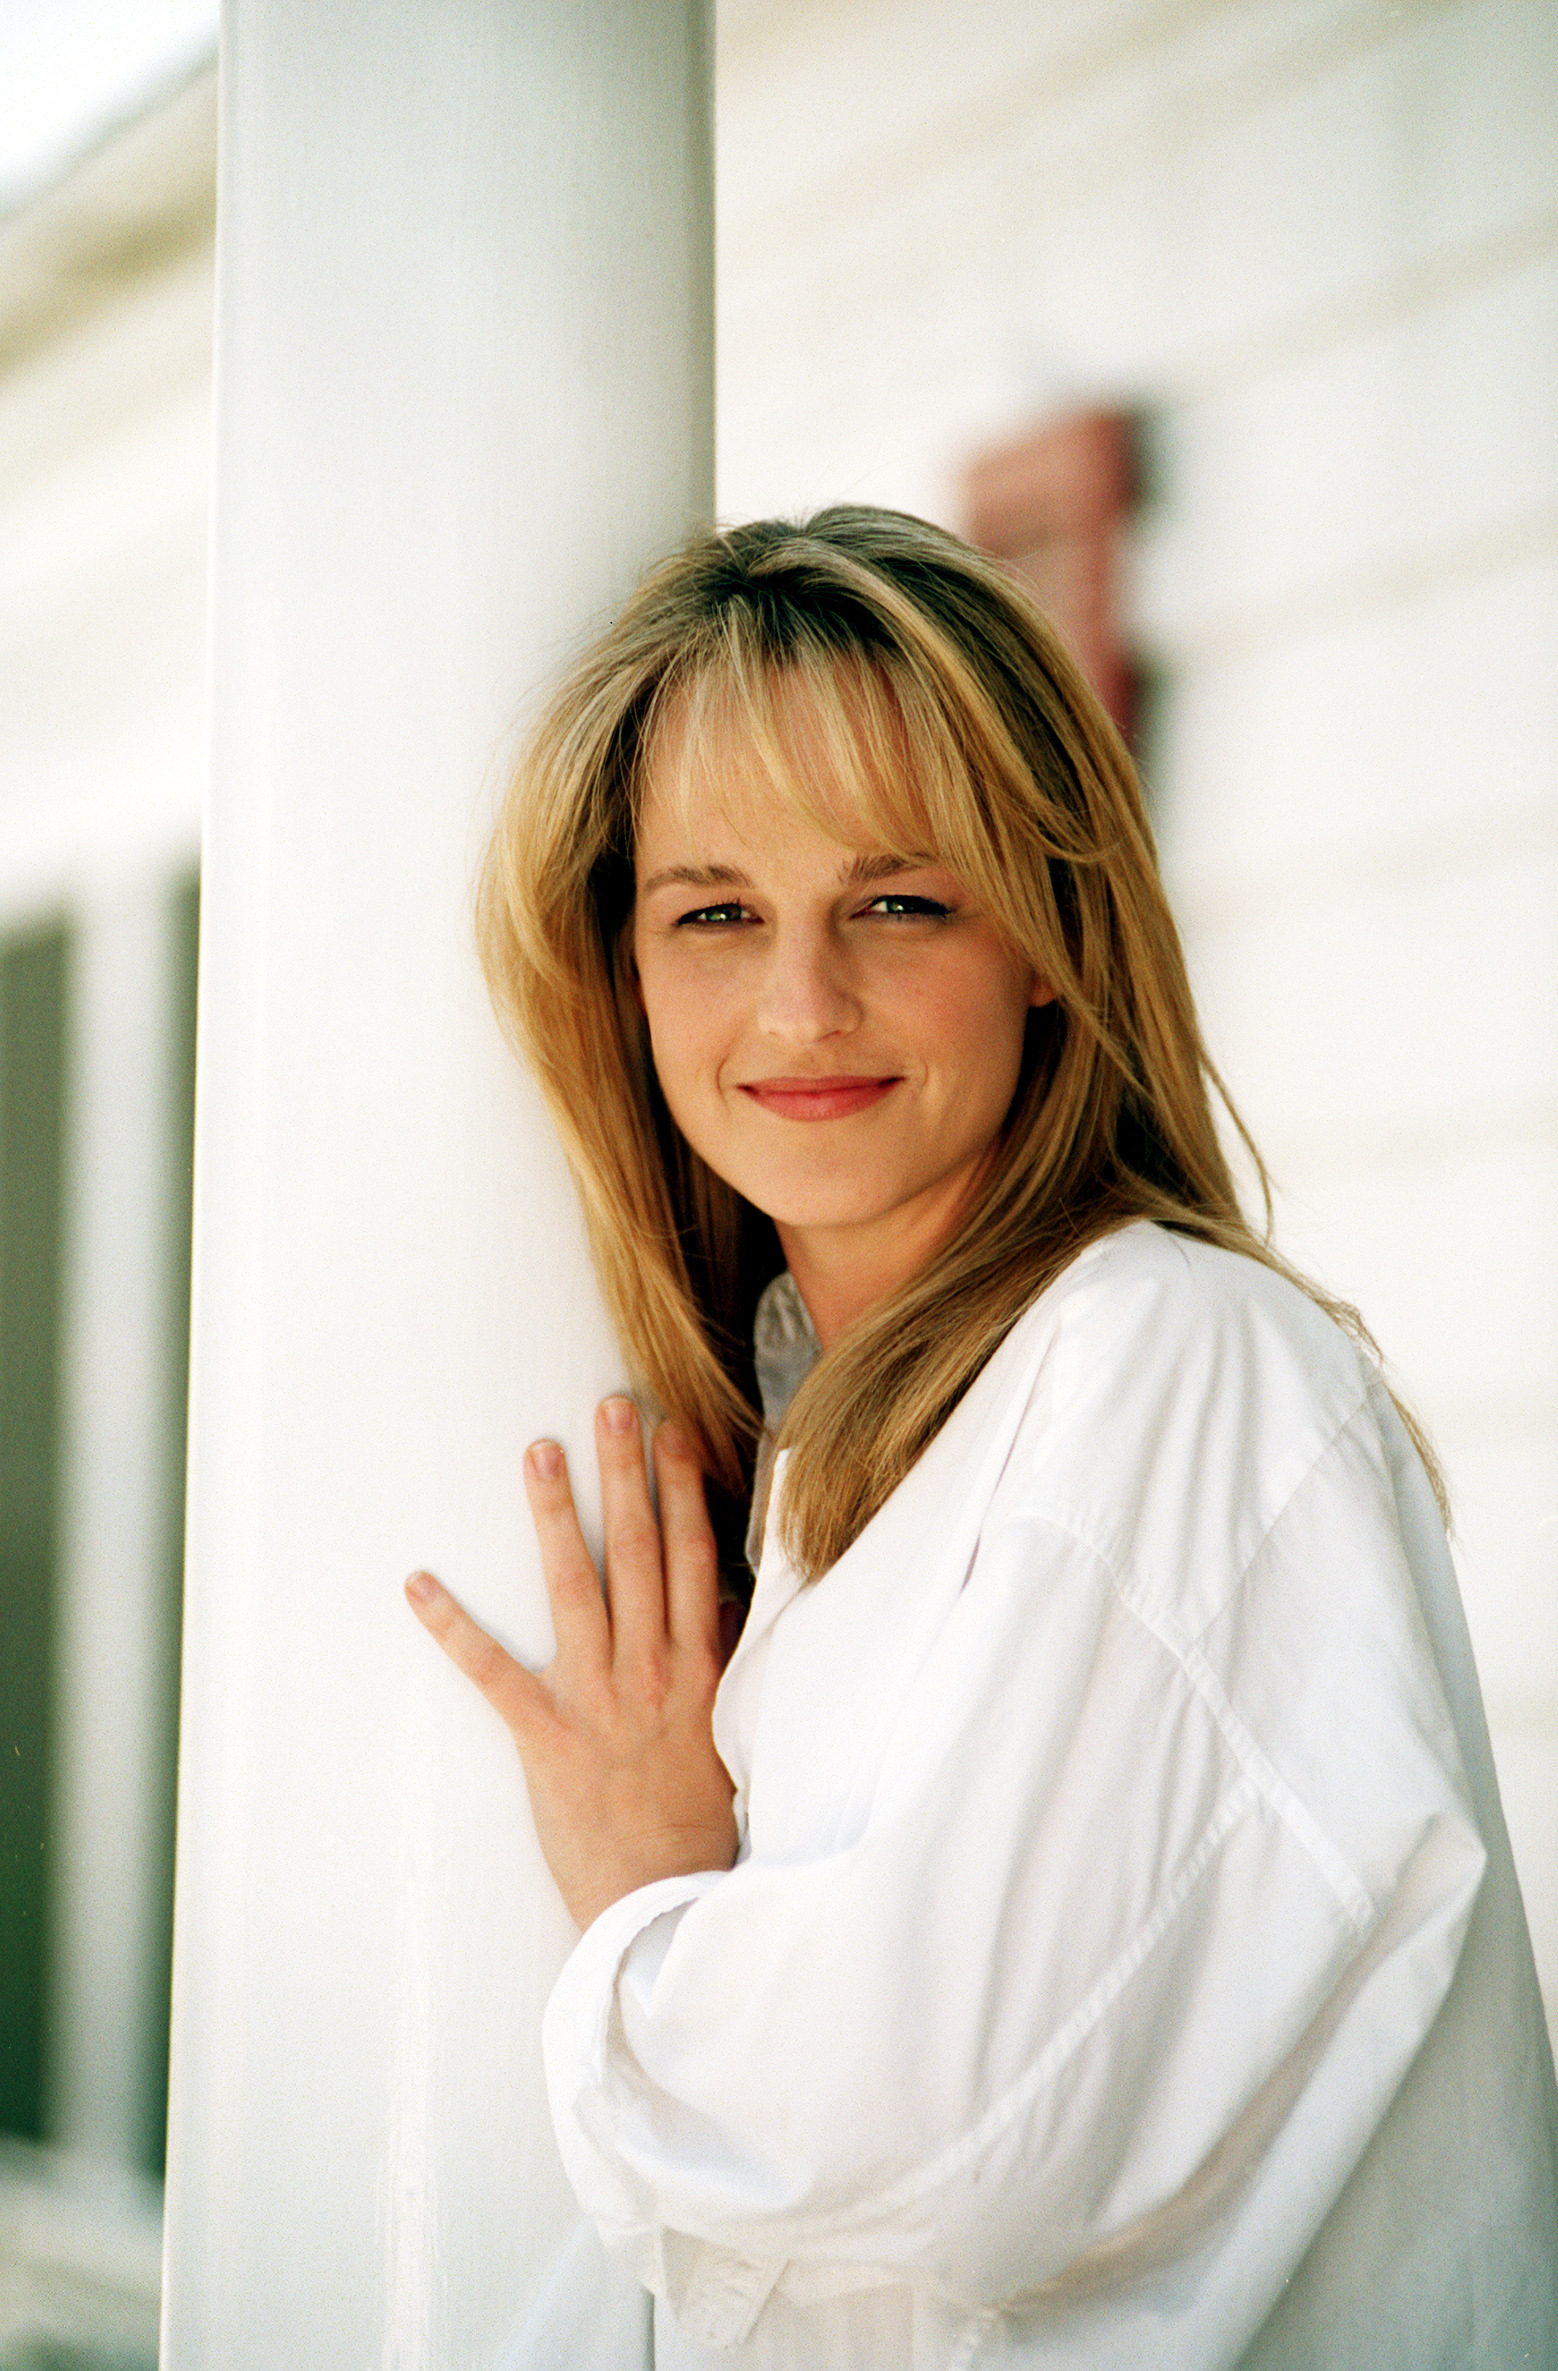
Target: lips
(817,1098)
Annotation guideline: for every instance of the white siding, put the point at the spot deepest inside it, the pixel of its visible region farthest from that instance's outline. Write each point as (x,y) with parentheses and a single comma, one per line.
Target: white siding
(105,445)
(105,433)
(1317,242)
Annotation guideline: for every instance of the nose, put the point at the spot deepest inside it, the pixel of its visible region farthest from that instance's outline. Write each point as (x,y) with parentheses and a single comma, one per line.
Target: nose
(807,994)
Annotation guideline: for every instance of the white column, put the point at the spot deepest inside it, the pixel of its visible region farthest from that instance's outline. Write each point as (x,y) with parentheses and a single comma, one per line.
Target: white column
(463,394)
(113,1568)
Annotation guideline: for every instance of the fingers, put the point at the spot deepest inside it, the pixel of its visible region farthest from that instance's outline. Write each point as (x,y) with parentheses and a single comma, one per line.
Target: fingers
(573,1584)
(513,1692)
(691,1556)
(634,1570)
(659,1597)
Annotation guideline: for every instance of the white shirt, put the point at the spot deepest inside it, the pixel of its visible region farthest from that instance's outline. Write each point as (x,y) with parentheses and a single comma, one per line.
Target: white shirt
(1124,1966)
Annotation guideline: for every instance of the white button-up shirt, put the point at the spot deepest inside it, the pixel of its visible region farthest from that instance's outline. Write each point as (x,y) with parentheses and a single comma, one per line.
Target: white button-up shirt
(1124,1965)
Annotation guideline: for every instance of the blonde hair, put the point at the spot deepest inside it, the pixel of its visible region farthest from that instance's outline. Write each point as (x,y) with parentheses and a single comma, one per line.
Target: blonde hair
(952,722)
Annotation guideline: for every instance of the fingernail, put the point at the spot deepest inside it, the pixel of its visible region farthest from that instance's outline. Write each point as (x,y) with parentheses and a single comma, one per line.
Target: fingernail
(421,1588)
(620,1415)
(673,1442)
(547,1459)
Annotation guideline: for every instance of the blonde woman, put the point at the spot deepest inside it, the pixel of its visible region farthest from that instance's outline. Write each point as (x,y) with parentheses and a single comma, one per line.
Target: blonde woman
(1076,1926)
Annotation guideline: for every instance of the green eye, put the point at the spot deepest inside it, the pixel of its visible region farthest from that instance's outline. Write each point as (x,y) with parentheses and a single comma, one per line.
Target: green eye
(713,916)
(894,905)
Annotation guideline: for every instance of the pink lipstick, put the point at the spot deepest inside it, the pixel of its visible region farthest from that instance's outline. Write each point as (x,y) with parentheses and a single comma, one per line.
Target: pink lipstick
(817,1098)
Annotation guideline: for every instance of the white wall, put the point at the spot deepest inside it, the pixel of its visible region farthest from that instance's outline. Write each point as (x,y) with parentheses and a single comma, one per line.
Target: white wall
(1318,241)
(105,432)
(105,464)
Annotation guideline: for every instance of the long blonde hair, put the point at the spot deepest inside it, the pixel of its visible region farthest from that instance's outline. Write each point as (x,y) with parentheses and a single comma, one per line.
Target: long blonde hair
(954,724)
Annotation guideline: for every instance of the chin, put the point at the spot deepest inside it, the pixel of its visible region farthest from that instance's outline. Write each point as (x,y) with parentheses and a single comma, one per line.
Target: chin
(806,1209)
(810,1218)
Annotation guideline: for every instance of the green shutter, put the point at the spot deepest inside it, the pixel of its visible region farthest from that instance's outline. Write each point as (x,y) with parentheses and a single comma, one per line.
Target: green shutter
(33,989)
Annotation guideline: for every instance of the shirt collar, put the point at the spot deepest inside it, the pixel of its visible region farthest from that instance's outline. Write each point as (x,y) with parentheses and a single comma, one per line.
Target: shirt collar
(785,1347)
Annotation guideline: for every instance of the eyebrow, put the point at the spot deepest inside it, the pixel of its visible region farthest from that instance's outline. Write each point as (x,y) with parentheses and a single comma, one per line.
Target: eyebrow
(723,876)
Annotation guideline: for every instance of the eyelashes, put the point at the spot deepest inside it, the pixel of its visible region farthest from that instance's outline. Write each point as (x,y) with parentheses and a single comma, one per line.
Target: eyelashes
(714,917)
(891,906)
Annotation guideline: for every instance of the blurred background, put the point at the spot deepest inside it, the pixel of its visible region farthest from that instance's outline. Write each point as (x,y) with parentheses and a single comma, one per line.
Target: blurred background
(1233,324)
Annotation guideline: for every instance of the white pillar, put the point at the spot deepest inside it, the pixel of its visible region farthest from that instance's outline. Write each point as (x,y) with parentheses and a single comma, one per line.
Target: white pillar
(110,1730)
(464,392)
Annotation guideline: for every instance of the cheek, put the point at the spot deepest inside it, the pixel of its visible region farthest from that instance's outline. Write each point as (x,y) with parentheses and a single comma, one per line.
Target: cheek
(977,1014)
(684,1028)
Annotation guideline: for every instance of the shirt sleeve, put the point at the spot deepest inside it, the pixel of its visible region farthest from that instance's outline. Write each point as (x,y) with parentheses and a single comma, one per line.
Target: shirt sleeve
(1138,1926)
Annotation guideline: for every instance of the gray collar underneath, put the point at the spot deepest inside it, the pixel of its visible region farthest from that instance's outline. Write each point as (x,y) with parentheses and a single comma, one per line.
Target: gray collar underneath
(784,1346)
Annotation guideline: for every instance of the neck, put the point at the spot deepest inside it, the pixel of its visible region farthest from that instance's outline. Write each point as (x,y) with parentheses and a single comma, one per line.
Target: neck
(842,1272)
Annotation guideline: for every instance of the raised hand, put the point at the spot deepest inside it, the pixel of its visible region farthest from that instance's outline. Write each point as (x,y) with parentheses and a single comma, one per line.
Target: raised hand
(615,1733)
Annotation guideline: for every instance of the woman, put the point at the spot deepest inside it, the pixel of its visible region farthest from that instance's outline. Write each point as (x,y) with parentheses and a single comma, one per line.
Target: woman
(1078,1928)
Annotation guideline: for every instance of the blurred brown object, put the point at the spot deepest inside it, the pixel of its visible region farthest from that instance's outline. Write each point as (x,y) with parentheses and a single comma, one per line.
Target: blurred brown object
(1052,505)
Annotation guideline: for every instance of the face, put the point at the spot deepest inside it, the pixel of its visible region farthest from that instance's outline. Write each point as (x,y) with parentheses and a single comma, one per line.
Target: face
(837,1033)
